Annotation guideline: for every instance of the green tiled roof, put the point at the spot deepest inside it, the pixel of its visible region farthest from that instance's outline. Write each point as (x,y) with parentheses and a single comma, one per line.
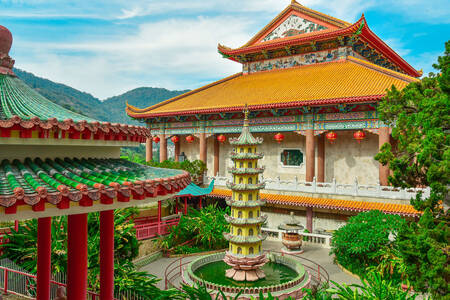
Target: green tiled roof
(239,239)
(246,138)
(18,99)
(30,180)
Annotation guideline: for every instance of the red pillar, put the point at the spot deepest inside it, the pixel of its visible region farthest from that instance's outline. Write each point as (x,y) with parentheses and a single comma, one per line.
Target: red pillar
(203,147)
(177,151)
(321,158)
(107,255)
(44,254)
(216,156)
(77,257)
(148,149)
(176,205)
(162,148)
(16,225)
(185,206)
(309,219)
(159,217)
(383,138)
(200,203)
(310,161)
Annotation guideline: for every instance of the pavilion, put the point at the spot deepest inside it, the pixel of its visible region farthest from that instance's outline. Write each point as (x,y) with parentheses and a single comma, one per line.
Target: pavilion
(56,162)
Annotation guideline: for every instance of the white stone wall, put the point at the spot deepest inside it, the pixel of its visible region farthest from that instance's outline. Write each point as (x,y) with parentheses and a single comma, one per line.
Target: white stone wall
(344,160)
(275,219)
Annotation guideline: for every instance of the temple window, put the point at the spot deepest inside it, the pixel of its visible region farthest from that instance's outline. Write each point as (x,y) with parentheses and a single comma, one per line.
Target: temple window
(259,248)
(241,180)
(250,197)
(249,150)
(239,216)
(250,232)
(250,165)
(239,231)
(291,158)
(240,197)
(250,214)
(241,150)
(241,164)
(250,180)
(239,250)
(250,250)
(257,213)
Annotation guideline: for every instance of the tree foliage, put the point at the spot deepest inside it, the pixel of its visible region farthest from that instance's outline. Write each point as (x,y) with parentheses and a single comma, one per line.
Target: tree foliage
(364,234)
(419,116)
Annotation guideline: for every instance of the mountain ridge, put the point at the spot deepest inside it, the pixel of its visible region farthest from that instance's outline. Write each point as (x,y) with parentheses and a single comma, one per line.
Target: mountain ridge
(111,109)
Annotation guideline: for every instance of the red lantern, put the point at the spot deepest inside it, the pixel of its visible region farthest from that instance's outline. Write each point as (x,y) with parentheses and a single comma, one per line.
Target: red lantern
(221,138)
(279,137)
(175,139)
(331,136)
(359,136)
(156,139)
(189,139)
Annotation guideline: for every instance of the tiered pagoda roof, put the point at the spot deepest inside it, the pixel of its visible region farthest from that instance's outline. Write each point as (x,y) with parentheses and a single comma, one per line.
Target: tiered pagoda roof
(350,80)
(301,58)
(24,113)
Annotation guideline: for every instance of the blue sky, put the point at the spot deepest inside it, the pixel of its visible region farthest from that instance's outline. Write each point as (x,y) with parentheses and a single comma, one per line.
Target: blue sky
(108,47)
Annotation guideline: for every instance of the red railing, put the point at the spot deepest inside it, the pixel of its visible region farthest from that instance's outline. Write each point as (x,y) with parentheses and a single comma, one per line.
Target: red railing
(151,230)
(24,284)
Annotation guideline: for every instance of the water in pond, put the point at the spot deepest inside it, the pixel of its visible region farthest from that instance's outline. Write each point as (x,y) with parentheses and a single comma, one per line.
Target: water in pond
(275,274)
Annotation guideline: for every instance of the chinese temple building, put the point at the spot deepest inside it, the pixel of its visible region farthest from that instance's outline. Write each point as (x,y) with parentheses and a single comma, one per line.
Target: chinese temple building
(56,162)
(312,83)
(245,254)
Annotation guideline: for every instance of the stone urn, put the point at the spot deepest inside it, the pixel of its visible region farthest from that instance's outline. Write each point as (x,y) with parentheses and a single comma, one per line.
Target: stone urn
(291,237)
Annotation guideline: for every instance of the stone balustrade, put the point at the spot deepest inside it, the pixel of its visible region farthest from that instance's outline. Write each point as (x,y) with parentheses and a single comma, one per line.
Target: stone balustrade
(323,240)
(331,188)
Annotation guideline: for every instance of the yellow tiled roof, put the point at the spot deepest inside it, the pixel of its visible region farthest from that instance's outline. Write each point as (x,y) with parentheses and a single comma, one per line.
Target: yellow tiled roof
(349,205)
(347,80)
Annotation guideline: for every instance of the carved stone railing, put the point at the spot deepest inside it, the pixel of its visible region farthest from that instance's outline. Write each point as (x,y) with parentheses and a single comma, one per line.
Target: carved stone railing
(323,240)
(332,188)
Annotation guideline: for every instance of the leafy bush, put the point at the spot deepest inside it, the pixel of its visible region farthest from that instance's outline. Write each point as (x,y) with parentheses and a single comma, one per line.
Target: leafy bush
(205,227)
(364,234)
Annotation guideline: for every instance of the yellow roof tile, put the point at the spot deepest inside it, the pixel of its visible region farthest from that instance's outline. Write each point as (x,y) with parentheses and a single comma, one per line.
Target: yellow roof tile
(401,209)
(342,81)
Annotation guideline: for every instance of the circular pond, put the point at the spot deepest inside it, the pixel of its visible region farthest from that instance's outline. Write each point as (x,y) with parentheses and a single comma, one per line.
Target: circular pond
(275,274)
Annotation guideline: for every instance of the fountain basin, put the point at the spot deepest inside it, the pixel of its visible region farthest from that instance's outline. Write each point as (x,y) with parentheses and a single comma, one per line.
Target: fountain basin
(285,277)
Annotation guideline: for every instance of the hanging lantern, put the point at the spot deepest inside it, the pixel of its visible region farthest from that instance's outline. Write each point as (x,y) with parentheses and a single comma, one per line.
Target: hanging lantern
(156,139)
(189,139)
(175,139)
(359,136)
(331,136)
(279,137)
(221,138)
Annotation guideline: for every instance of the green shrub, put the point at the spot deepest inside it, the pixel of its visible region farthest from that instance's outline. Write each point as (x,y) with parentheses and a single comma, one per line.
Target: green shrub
(366,233)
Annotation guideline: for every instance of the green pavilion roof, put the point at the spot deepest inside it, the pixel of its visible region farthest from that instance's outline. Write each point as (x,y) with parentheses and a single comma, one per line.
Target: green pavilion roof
(60,181)
(246,138)
(194,190)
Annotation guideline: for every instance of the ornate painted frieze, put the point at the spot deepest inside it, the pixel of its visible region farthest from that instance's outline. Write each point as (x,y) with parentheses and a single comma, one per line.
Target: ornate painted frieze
(297,60)
(293,25)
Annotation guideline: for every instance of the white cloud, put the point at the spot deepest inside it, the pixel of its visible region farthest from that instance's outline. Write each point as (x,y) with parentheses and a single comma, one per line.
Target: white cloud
(175,53)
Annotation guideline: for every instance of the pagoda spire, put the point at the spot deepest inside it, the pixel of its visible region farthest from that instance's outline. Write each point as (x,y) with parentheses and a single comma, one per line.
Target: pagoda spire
(245,254)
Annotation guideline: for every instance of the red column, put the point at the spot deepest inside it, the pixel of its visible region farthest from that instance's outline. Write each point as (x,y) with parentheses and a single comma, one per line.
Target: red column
(162,148)
(383,138)
(216,156)
(177,151)
(176,205)
(44,254)
(309,219)
(148,149)
(321,158)
(203,147)
(16,225)
(107,255)
(200,203)
(185,206)
(159,217)
(310,161)
(77,257)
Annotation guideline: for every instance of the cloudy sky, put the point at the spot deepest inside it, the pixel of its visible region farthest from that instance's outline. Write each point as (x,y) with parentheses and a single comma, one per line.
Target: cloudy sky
(107,47)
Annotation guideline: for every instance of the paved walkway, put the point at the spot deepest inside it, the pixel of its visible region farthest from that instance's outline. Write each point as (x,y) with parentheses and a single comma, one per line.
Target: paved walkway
(316,253)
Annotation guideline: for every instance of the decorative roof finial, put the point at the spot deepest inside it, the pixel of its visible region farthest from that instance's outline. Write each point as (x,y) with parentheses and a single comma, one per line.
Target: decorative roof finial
(246,112)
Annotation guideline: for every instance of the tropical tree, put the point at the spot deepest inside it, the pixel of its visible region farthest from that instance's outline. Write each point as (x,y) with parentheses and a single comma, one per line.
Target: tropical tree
(419,116)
